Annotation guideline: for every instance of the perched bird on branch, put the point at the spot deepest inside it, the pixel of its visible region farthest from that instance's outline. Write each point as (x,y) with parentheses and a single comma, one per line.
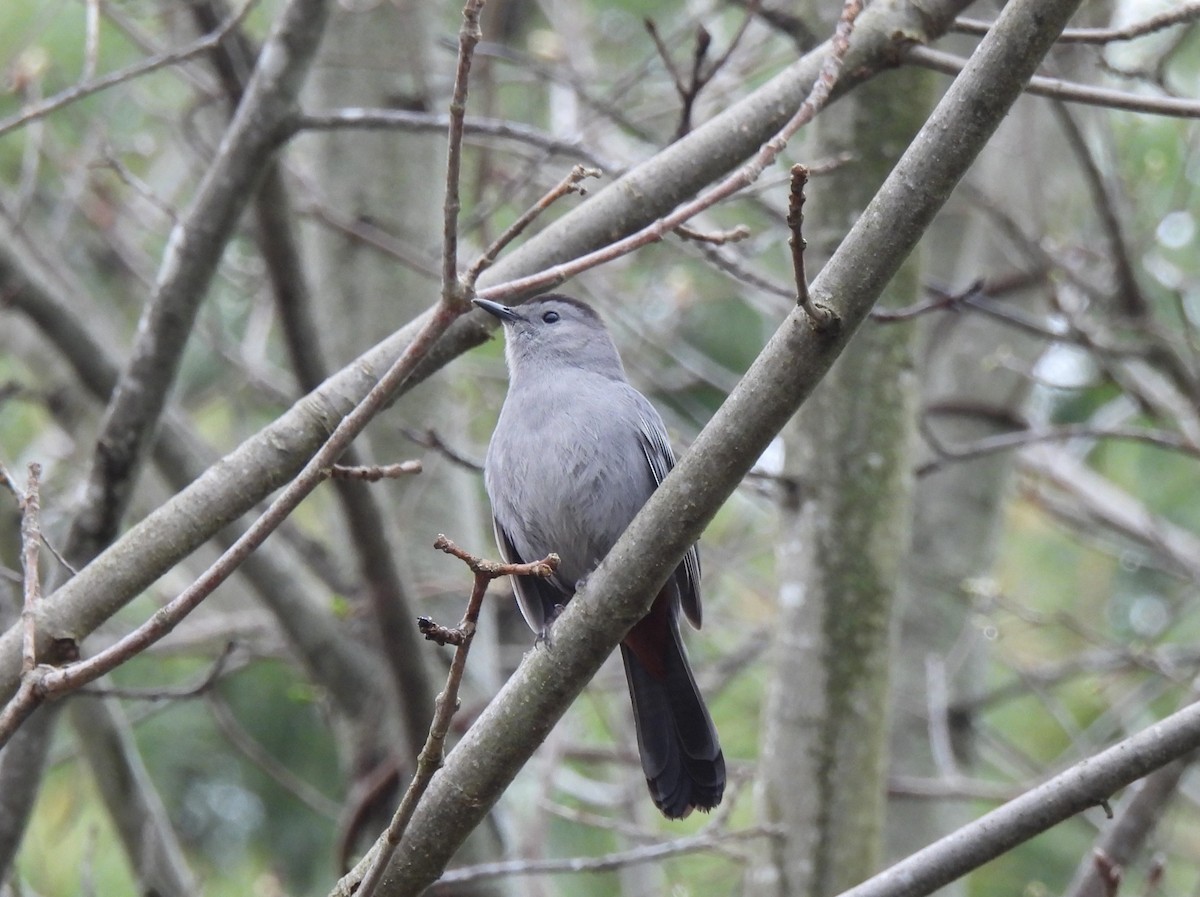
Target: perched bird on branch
(576,453)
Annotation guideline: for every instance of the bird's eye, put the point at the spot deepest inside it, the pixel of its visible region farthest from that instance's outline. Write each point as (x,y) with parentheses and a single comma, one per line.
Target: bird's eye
(550,317)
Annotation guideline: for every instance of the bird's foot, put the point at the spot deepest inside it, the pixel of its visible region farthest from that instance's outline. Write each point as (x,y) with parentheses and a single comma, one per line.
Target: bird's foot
(545,637)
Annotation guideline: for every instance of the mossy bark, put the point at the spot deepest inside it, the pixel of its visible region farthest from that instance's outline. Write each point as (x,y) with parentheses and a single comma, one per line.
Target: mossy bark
(843,539)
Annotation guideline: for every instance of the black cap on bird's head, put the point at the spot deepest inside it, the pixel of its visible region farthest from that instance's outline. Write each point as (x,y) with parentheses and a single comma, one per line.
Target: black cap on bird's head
(556,330)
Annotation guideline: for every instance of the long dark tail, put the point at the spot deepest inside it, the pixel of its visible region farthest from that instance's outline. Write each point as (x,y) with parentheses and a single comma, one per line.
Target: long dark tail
(677,741)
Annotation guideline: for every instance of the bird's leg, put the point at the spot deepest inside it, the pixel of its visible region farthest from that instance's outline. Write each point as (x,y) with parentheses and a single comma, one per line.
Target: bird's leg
(545,636)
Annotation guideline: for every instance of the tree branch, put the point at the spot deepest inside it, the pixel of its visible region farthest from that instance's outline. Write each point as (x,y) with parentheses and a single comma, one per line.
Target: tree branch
(1084,785)
(1056,88)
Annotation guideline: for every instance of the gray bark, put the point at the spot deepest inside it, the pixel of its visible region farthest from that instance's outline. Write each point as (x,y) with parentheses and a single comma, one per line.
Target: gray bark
(842,540)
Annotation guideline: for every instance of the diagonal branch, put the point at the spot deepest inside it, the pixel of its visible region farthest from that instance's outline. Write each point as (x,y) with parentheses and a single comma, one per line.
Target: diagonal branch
(1085,785)
(1056,88)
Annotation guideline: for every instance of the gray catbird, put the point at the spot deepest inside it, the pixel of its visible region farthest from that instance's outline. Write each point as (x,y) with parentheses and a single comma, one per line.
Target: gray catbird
(576,453)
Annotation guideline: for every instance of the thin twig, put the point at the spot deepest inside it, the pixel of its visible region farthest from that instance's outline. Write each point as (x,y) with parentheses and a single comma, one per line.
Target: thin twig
(650,853)
(1056,88)
(431,439)
(367,233)
(262,758)
(468,36)
(1003,442)
(738,180)
(1184,13)
(1126,291)
(144,190)
(569,184)
(58,556)
(181,693)
(429,760)
(700,76)
(719,63)
(820,316)
(31,540)
(375,472)
(495,569)
(10,482)
(665,55)
(974,297)
(86,89)
(716,238)
(698,80)
(473,126)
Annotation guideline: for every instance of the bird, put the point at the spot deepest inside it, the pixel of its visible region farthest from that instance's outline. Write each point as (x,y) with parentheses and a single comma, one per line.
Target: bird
(576,452)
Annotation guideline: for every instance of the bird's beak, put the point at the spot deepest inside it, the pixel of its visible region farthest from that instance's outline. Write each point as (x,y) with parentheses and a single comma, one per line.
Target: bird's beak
(503,312)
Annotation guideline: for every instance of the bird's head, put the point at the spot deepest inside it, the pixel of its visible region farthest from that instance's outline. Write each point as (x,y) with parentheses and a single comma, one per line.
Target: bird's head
(556,332)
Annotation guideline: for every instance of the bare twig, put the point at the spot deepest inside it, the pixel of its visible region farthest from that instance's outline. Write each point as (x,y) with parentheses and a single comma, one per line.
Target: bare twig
(144,190)
(10,483)
(717,238)
(182,693)
(430,758)
(1101,502)
(943,301)
(431,439)
(375,472)
(406,120)
(943,787)
(569,184)
(86,89)
(820,316)
(665,55)
(443,635)
(1185,12)
(1005,441)
(31,538)
(1039,85)
(453,290)
(236,735)
(974,297)
(749,173)
(719,63)
(700,76)
(495,569)
(1128,294)
(650,853)
(367,233)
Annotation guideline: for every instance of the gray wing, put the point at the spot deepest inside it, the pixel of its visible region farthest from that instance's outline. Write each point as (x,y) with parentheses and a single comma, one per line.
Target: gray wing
(657,448)
(536,597)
